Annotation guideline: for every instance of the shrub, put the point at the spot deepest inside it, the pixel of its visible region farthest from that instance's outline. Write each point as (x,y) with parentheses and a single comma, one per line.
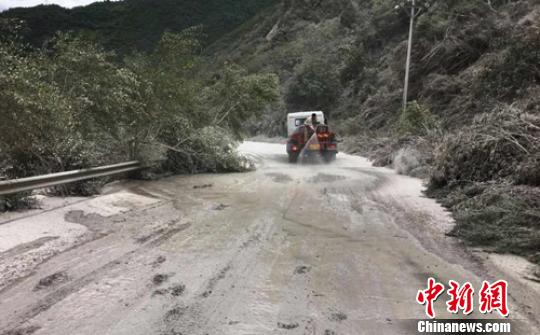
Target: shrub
(237,96)
(528,171)
(17,201)
(380,109)
(210,149)
(492,148)
(518,67)
(502,218)
(415,120)
(75,107)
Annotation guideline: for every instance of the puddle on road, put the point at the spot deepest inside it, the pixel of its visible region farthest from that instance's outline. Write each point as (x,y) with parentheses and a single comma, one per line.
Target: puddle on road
(80,217)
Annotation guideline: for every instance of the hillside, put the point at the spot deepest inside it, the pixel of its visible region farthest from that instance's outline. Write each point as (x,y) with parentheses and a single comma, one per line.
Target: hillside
(130,25)
(473,125)
(354,51)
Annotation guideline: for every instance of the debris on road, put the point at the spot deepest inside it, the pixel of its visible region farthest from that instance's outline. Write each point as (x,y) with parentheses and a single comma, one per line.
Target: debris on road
(54,279)
(178,290)
(203,186)
(160,279)
(220,207)
(338,317)
(302,269)
(288,326)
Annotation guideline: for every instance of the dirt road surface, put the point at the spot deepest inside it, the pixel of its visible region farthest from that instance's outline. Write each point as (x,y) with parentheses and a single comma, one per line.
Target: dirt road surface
(287,249)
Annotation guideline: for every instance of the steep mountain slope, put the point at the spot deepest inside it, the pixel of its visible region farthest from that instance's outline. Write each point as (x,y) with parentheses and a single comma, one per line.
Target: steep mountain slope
(136,24)
(473,126)
(359,46)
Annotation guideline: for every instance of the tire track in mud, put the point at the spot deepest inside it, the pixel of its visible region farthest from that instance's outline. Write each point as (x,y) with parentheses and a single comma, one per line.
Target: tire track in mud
(75,285)
(206,305)
(25,253)
(22,248)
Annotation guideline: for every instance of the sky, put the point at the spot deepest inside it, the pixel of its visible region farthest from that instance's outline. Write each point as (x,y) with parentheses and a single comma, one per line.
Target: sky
(5,4)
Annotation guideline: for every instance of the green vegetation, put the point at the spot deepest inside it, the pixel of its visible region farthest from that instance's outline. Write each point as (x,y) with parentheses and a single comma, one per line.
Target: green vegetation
(314,85)
(72,105)
(416,120)
(129,25)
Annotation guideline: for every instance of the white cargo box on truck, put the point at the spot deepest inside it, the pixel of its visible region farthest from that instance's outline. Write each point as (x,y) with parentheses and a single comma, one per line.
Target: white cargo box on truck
(295,120)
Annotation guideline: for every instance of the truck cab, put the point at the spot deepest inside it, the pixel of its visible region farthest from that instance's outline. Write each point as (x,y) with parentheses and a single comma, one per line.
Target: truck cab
(295,120)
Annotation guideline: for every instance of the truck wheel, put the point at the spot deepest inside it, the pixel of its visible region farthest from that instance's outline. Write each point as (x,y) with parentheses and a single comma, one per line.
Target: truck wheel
(293,158)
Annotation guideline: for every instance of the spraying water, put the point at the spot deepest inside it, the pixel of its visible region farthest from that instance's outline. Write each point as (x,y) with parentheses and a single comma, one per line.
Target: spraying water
(311,153)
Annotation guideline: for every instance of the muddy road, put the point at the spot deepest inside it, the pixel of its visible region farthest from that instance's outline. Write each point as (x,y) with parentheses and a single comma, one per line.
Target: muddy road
(287,249)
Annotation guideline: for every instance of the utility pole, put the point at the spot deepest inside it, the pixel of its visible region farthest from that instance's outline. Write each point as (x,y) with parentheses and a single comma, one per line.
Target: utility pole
(409,51)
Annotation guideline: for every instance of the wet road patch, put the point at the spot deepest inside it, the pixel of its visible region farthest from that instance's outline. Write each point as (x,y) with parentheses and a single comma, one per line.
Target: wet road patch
(86,219)
(280,178)
(326,178)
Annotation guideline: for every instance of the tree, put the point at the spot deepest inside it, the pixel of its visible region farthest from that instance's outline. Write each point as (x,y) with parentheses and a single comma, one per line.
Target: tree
(78,106)
(237,96)
(315,85)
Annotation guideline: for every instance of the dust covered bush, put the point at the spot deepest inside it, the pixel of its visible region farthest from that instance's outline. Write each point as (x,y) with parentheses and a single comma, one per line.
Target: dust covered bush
(517,67)
(488,175)
(416,120)
(17,201)
(494,147)
(210,149)
(501,218)
(379,110)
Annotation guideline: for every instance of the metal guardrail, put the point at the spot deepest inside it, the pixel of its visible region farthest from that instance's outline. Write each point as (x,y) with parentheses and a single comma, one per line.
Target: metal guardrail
(61,178)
